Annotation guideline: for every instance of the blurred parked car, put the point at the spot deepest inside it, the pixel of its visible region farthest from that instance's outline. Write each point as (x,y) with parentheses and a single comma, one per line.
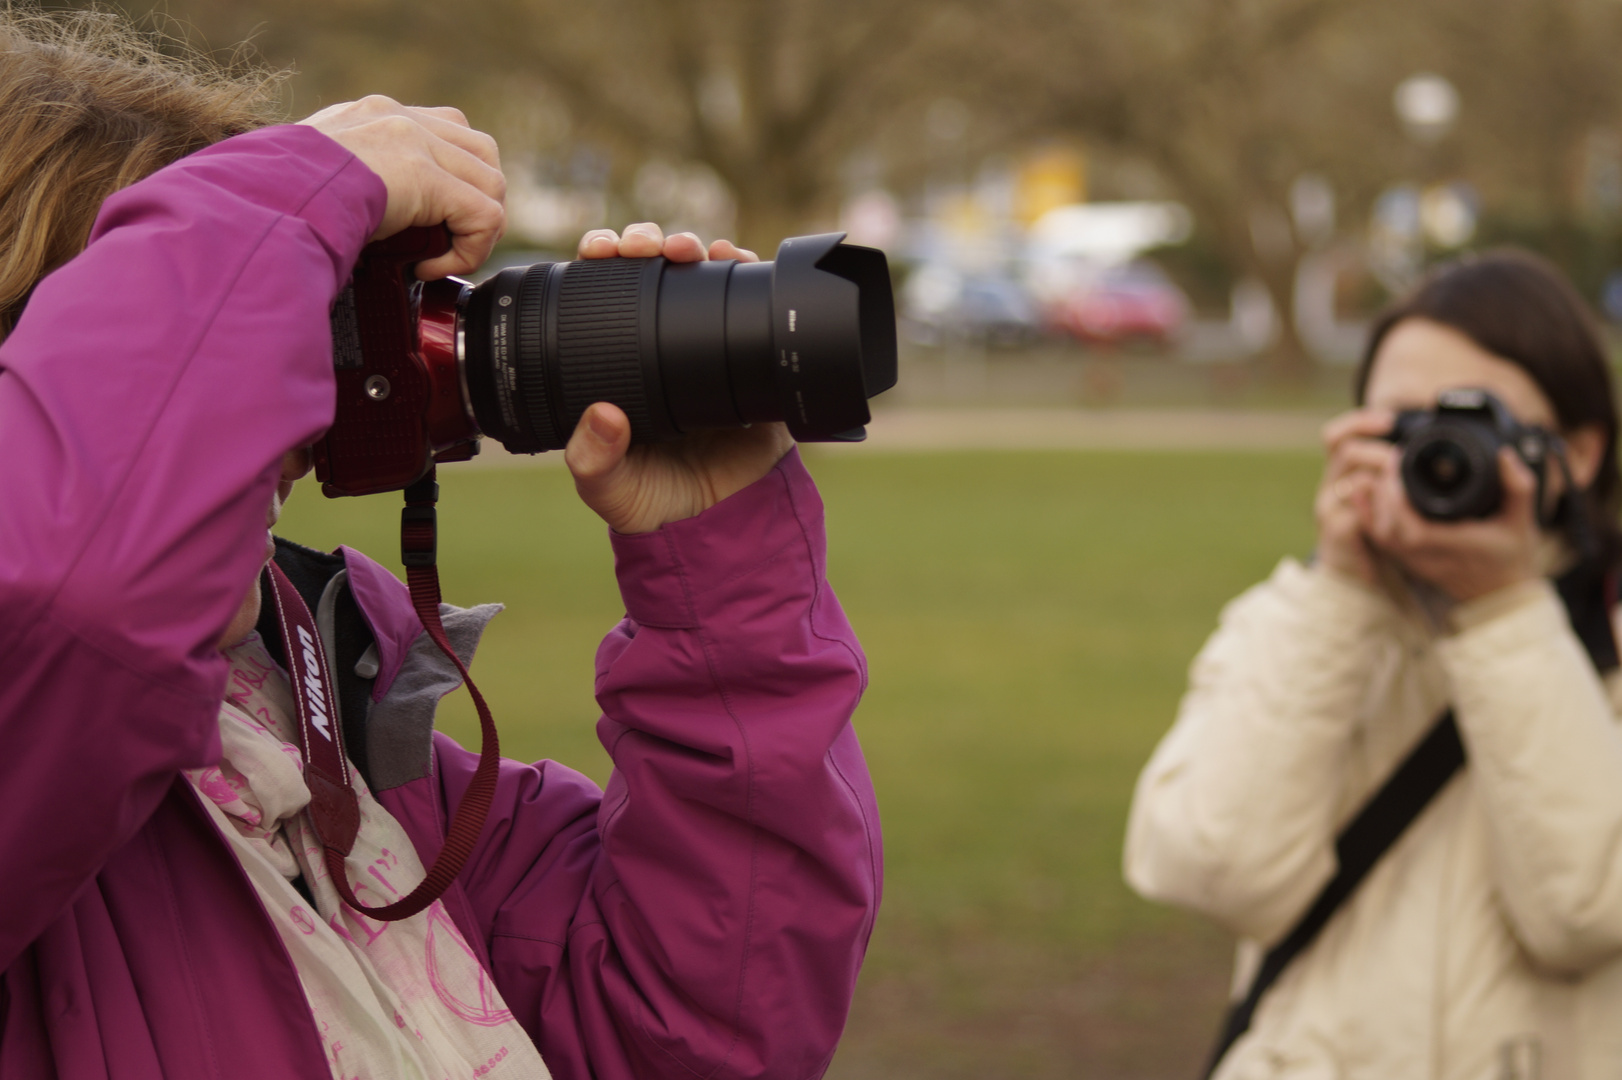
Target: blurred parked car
(940,305)
(1119,304)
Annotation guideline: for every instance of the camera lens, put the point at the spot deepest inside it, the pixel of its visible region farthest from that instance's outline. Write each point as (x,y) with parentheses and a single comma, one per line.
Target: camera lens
(807,339)
(1450,471)
(1444,467)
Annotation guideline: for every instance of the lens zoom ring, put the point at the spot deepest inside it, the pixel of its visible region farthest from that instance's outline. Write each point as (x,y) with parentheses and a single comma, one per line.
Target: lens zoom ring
(532,385)
(599,342)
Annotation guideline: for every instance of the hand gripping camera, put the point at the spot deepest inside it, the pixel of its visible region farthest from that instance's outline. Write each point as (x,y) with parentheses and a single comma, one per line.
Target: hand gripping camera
(1450,454)
(425,369)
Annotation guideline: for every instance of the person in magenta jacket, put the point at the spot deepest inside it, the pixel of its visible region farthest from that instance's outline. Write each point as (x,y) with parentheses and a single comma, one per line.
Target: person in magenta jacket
(705,916)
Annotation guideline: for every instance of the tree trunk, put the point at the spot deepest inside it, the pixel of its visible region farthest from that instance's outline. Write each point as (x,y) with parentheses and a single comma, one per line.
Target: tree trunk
(1288,356)
(767,214)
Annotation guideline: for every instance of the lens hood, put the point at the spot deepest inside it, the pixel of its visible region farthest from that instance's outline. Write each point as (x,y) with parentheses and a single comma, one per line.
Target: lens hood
(833,331)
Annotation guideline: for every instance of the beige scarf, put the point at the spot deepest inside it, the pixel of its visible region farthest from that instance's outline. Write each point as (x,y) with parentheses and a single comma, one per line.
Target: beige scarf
(403,1000)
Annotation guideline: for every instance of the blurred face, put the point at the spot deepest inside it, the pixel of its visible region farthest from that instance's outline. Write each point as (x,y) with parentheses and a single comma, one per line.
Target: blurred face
(1419,359)
(294,466)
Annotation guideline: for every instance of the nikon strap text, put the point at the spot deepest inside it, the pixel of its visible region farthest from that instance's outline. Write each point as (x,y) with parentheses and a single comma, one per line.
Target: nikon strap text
(334,805)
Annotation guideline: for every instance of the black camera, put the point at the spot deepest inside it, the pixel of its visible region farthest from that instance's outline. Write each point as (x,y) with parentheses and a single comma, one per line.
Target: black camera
(1450,454)
(425,369)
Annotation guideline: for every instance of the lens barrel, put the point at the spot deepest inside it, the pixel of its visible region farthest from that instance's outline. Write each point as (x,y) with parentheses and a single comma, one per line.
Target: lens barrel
(1450,471)
(807,339)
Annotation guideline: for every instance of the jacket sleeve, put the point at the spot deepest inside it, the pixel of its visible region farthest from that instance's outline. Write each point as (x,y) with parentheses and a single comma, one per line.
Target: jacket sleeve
(1236,813)
(706,917)
(146,397)
(1545,753)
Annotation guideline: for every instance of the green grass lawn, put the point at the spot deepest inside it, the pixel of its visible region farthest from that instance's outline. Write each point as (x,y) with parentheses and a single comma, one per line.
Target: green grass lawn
(1028,620)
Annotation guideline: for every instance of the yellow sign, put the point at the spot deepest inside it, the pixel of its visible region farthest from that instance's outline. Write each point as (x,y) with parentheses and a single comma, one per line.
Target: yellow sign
(1053,176)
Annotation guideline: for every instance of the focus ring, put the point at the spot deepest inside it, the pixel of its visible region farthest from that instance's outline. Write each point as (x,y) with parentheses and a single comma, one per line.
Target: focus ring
(532,388)
(599,340)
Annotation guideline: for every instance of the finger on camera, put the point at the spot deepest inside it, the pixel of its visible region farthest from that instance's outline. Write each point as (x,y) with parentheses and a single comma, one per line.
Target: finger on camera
(726,249)
(1350,476)
(1515,473)
(684,247)
(429,179)
(1361,455)
(599,442)
(1338,519)
(600,244)
(1389,517)
(458,134)
(466,194)
(469,250)
(1520,486)
(468,167)
(443,112)
(643,240)
(475,221)
(1357,424)
(1353,485)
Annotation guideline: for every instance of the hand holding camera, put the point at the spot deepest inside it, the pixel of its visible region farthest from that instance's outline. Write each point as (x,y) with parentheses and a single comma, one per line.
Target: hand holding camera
(1451,495)
(437,170)
(637,489)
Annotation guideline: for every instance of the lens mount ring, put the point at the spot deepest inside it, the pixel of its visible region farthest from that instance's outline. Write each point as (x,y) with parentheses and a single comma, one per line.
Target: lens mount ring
(460,344)
(494,361)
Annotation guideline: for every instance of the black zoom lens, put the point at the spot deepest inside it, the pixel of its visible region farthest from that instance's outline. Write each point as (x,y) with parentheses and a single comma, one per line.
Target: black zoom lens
(680,346)
(1450,472)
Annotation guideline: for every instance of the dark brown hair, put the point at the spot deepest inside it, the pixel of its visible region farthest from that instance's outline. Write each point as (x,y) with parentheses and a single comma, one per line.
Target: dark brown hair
(1522,309)
(88,105)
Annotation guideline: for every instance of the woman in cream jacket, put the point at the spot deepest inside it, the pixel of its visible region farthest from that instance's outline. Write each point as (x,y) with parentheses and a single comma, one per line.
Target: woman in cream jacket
(1485,944)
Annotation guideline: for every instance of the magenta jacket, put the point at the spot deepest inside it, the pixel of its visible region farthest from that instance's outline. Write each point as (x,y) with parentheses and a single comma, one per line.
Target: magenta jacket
(705,917)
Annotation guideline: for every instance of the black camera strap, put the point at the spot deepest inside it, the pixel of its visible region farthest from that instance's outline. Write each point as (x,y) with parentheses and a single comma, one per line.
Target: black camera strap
(1589,595)
(334,804)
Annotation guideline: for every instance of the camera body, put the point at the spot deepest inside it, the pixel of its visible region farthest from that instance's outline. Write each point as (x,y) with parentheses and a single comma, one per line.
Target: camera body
(425,369)
(1450,454)
(401,403)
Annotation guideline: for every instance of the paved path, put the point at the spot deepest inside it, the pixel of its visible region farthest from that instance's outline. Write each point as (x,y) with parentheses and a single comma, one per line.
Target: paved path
(917,429)
(1091,429)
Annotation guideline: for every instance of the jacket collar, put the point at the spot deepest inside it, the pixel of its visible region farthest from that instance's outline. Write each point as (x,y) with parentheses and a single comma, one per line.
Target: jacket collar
(386,603)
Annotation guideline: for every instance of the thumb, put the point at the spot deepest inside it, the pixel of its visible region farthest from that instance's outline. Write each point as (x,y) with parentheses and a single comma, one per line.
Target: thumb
(1520,485)
(596,455)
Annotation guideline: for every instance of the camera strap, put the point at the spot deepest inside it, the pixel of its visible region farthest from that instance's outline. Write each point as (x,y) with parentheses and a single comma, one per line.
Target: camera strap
(1589,594)
(334,805)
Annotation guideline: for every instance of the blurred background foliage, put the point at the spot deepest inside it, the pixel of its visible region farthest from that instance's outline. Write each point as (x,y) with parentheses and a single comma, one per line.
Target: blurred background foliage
(1274,122)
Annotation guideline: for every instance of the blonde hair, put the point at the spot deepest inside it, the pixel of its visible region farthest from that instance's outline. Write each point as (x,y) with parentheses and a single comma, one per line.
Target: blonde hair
(90,104)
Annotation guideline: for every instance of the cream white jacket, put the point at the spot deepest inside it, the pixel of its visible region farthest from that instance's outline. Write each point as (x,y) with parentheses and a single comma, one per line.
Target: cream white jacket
(1485,945)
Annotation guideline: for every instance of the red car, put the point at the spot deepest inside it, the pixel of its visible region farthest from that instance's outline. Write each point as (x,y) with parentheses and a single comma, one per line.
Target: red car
(1136,302)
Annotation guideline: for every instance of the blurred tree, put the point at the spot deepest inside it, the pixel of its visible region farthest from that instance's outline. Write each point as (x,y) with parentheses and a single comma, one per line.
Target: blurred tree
(1541,134)
(775,97)
(1230,102)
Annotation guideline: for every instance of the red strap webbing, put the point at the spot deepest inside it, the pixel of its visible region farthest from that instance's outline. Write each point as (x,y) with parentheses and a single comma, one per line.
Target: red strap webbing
(334,805)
